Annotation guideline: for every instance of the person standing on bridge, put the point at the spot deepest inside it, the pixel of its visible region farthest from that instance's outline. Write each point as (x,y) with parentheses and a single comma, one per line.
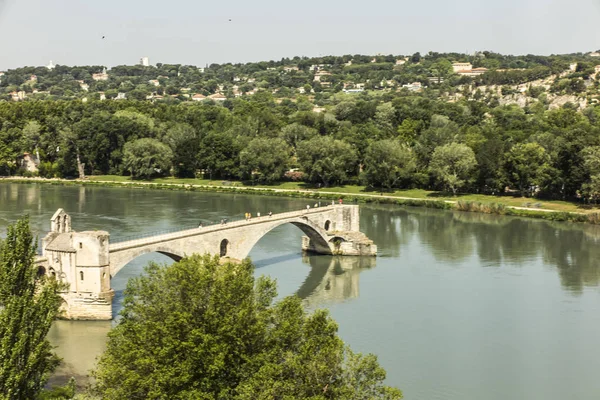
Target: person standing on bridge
(307,207)
(270,214)
(258,214)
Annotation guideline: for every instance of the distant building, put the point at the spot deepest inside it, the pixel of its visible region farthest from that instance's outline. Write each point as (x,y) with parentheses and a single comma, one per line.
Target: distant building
(218,97)
(594,54)
(102,76)
(51,66)
(354,90)
(198,97)
(290,68)
(400,61)
(18,96)
(145,61)
(33,78)
(473,72)
(154,82)
(461,66)
(319,74)
(29,162)
(84,86)
(121,96)
(318,109)
(413,87)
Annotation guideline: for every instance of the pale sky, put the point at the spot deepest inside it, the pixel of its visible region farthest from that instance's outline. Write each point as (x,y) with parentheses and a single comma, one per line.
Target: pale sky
(69,32)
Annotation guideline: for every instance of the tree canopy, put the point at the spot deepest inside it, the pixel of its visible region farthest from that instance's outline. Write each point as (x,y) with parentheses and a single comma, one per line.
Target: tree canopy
(29,303)
(199,329)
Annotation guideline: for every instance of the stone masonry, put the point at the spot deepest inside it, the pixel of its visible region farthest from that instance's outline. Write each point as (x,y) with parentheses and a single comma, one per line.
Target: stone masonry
(87,261)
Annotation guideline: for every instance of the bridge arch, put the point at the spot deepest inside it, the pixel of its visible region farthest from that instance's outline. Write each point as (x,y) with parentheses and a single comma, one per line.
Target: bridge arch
(316,234)
(121,259)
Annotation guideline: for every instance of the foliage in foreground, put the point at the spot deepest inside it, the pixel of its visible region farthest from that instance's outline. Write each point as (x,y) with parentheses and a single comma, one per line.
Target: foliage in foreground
(200,330)
(28,306)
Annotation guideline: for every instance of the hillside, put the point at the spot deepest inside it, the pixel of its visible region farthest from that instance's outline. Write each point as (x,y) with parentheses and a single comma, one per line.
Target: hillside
(483,123)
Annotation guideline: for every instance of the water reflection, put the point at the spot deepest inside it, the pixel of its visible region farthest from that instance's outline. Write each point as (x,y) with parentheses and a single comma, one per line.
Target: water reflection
(332,279)
(454,237)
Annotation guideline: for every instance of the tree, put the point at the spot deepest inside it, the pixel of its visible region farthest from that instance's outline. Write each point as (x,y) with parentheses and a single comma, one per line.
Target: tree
(591,157)
(219,154)
(201,329)
(441,131)
(387,162)
(269,158)
(527,165)
(295,133)
(326,160)
(146,158)
(185,143)
(29,303)
(453,165)
(31,134)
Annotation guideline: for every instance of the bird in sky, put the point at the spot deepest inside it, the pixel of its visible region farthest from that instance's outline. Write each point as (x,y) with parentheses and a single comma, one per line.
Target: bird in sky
(103,37)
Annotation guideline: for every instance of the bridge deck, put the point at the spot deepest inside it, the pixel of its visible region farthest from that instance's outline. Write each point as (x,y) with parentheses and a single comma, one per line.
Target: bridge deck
(114,247)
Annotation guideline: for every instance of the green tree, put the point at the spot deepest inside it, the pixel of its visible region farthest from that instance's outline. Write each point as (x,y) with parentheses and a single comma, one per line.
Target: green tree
(591,188)
(201,329)
(387,162)
(295,133)
(29,303)
(441,131)
(527,165)
(327,160)
(268,159)
(184,143)
(146,158)
(453,165)
(31,135)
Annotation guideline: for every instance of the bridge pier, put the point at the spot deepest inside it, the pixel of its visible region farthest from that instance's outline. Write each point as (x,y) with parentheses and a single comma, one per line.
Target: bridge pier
(87,261)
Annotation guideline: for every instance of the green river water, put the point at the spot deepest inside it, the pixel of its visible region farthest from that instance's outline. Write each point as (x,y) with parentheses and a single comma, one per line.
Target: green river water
(456,305)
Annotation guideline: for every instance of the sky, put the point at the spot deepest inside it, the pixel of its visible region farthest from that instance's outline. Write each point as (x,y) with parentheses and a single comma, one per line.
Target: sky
(199,32)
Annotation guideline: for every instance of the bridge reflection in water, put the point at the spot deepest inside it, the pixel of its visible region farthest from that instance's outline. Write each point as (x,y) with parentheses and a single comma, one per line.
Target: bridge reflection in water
(332,279)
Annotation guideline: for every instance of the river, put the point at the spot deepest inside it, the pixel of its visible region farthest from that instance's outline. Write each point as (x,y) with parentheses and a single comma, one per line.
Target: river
(456,305)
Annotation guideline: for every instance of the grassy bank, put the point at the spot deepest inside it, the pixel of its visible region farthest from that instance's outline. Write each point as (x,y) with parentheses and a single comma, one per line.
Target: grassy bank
(503,205)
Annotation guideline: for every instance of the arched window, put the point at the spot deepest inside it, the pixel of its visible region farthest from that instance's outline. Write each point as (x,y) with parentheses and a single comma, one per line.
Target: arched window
(81,275)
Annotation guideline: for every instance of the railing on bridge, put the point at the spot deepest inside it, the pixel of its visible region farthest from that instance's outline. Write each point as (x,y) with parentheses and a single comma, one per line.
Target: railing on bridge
(205,223)
(211,224)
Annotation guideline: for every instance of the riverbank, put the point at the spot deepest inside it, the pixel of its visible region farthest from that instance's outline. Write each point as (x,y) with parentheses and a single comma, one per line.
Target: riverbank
(502,205)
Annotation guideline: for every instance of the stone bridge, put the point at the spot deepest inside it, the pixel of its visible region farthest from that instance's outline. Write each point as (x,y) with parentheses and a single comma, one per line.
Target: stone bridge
(87,260)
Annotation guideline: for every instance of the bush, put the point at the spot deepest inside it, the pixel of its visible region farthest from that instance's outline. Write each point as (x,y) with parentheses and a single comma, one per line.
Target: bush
(49,170)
